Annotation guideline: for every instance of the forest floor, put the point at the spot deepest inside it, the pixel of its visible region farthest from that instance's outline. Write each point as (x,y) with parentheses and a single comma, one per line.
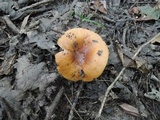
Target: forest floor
(31,87)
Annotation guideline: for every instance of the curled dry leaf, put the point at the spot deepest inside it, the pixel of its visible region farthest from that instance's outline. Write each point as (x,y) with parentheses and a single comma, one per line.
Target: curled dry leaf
(132,110)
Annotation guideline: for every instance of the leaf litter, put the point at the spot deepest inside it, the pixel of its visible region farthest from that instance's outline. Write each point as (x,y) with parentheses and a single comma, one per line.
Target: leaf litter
(30,86)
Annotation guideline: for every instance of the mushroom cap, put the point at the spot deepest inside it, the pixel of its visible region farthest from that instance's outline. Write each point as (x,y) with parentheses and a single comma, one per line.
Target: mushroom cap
(84,55)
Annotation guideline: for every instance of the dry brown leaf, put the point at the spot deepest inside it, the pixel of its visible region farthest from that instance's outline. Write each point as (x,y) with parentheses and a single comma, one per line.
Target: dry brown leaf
(7,65)
(131,110)
(104,4)
(100,5)
(138,63)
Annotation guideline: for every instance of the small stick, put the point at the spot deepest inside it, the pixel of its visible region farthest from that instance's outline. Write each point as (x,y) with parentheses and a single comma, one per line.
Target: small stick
(58,31)
(34,5)
(73,107)
(107,92)
(108,19)
(124,37)
(11,24)
(117,78)
(51,108)
(142,46)
(75,101)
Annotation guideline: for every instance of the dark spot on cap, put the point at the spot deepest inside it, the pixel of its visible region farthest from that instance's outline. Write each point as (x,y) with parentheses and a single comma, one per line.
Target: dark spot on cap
(73,75)
(75,44)
(95,41)
(71,35)
(100,52)
(81,73)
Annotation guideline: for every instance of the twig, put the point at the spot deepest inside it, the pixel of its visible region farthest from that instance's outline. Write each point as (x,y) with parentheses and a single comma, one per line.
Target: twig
(11,24)
(75,101)
(117,78)
(140,48)
(108,19)
(58,31)
(124,37)
(51,108)
(34,5)
(73,107)
(107,92)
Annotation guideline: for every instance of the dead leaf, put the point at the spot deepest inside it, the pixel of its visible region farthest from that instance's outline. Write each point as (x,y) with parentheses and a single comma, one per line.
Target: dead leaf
(24,23)
(10,100)
(145,13)
(27,73)
(11,95)
(5,82)
(44,80)
(103,2)
(149,12)
(41,39)
(31,76)
(7,65)
(154,94)
(131,110)
(99,5)
(127,61)
(133,11)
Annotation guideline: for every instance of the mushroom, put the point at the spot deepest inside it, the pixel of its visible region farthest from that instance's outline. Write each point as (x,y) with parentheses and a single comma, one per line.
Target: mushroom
(84,56)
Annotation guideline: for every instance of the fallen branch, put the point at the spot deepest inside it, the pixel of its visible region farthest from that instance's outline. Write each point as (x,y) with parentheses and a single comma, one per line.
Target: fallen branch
(35,4)
(51,108)
(117,78)
(73,107)
(75,102)
(10,24)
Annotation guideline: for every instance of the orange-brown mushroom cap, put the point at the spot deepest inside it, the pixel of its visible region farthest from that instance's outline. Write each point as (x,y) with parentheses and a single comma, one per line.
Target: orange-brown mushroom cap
(84,55)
